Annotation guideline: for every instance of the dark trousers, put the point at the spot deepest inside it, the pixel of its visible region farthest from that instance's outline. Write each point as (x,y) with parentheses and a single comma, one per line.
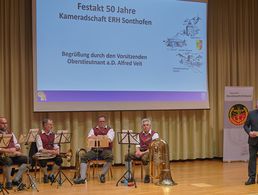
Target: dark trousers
(105,154)
(252,160)
(16,160)
(57,160)
(144,158)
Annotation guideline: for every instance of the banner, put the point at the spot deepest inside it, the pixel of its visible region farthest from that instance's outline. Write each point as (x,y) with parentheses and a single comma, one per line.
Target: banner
(238,102)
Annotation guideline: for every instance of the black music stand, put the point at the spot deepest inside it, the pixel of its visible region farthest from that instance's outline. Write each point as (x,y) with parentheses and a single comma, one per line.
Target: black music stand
(129,138)
(4,142)
(29,139)
(62,137)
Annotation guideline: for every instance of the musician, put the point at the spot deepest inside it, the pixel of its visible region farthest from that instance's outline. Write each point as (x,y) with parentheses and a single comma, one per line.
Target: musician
(100,153)
(146,136)
(46,146)
(11,155)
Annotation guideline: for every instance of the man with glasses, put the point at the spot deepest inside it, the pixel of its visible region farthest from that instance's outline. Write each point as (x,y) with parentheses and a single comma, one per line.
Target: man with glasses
(11,155)
(101,153)
(146,136)
(46,146)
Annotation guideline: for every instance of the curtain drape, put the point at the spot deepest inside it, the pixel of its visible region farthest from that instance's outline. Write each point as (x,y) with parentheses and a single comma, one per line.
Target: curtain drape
(191,134)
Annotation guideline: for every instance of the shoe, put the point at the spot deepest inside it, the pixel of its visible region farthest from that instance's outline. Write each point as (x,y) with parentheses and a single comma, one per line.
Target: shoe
(16,183)
(51,178)
(45,179)
(21,187)
(79,181)
(8,185)
(147,179)
(102,178)
(250,181)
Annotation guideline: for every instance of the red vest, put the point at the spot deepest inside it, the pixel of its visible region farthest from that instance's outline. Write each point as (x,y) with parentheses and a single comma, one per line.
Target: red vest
(47,140)
(145,140)
(102,131)
(11,143)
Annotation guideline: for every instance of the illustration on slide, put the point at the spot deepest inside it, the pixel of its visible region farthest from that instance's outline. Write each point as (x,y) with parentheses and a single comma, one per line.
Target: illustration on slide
(42,96)
(175,42)
(191,26)
(194,61)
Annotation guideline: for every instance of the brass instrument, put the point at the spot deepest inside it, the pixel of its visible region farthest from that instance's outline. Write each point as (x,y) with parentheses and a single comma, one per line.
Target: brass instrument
(68,155)
(159,162)
(78,155)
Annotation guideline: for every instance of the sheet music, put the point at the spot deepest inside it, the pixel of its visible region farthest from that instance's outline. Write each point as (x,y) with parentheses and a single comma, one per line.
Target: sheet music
(99,141)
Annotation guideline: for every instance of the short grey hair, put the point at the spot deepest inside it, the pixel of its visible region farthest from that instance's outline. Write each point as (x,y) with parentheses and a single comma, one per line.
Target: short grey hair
(146,120)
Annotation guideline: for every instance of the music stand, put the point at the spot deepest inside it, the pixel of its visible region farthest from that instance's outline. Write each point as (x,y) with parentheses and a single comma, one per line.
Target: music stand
(61,137)
(129,138)
(28,139)
(4,142)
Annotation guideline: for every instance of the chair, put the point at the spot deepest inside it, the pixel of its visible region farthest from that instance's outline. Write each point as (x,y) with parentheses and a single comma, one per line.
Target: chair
(95,163)
(134,164)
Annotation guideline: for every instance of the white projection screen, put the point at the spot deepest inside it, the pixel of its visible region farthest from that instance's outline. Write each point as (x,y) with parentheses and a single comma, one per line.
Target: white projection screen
(92,55)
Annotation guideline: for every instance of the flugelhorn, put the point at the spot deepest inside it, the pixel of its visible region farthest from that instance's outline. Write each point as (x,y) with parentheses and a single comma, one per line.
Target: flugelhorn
(68,155)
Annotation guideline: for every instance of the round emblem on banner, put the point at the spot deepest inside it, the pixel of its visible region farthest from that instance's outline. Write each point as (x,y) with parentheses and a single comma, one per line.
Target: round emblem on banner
(237,114)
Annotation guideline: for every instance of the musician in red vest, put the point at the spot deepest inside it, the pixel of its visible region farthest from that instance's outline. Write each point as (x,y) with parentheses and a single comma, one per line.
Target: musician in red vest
(146,136)
(11,155)
(98,153)
(45,144)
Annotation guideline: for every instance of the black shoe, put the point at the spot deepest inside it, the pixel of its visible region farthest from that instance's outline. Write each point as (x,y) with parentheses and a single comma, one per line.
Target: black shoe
(16,183)
(51,178)
(79,181)
(147,179)
(102,178)
(21,186)
(45,179)
(8,185)
(250,181)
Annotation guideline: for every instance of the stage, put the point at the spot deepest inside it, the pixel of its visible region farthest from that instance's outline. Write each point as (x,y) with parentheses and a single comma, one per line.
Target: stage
(193,177)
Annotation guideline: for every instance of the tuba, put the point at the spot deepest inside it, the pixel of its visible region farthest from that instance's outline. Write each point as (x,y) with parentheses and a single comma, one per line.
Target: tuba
(77,161)
(159,163)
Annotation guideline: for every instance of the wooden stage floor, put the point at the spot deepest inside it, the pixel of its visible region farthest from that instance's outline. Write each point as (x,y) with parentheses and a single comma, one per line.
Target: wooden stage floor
(193,177)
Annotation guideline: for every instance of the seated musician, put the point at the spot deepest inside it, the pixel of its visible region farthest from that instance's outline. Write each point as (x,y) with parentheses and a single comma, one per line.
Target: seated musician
(102,153)
(146,136)
(11,155)
(48,149)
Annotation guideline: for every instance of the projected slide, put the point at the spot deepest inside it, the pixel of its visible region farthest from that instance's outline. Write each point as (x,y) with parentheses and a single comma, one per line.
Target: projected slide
(119,55)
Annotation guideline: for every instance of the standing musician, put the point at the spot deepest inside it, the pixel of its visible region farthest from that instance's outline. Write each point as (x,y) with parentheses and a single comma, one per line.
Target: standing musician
(103,153)
(50,150)
(146,136)
(11,155)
